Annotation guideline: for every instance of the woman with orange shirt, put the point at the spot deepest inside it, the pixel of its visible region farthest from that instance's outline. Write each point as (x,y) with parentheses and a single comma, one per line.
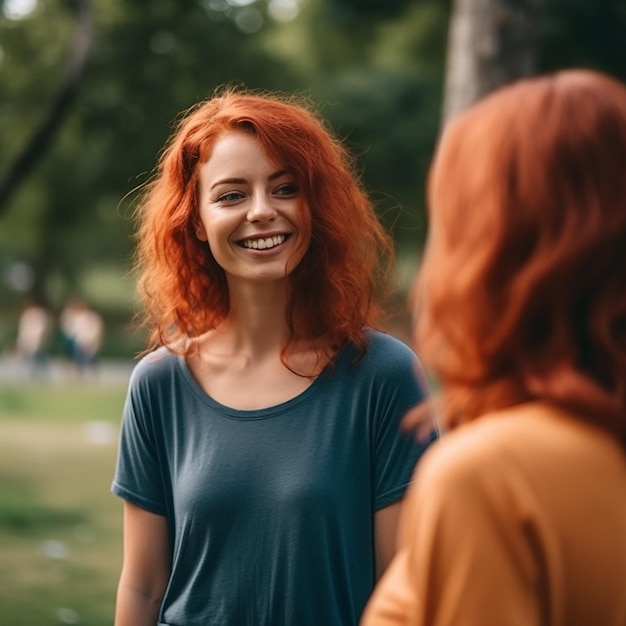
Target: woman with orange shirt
(517,516)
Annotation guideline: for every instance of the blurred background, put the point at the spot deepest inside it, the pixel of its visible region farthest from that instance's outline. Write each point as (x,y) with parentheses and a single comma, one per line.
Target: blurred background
(89,91)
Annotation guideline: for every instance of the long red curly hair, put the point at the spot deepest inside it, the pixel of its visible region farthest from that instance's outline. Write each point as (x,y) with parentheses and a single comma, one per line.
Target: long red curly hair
(333,291)
(522,291)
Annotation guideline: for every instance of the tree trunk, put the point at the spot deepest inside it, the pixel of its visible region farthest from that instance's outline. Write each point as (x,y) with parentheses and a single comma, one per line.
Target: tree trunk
(490,43)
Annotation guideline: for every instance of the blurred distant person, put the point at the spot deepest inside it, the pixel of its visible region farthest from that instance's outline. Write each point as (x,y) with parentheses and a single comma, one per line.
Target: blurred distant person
(261,458)
(33,333)
(82,328)
(517,516)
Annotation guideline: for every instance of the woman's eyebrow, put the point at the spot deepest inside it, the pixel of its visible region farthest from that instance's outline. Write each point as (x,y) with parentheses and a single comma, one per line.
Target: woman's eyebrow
(242,181)
(278,174)
(228,181)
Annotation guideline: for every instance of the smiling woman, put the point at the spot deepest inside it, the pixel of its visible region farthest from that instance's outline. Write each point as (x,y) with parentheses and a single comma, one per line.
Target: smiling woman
(251,212)
(261,459)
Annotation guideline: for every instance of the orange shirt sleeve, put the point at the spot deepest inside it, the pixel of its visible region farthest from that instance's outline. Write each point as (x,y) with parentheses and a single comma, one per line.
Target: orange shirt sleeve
(468,544)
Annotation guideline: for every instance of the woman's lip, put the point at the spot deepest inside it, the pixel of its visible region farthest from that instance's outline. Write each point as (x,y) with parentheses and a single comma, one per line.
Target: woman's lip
(277,233)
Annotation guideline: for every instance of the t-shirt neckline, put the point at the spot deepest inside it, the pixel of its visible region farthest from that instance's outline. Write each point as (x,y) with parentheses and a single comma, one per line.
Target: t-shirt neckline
(264,412)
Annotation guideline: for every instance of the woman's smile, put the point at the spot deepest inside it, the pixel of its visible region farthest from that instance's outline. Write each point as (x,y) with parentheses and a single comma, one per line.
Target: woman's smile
(263,242)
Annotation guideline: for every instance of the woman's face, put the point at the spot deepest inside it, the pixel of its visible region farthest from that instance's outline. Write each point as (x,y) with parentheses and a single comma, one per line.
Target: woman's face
(250,211)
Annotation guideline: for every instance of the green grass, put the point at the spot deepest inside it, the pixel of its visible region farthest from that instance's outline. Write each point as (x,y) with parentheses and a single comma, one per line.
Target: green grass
(60,527)
(78,402)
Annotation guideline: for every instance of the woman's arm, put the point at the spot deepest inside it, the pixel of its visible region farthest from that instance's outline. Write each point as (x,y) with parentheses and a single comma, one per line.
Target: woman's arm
(145,569)
(385,532)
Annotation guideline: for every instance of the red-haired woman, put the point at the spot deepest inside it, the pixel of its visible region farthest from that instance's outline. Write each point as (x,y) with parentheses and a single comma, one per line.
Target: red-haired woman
(261,458)
(517,516)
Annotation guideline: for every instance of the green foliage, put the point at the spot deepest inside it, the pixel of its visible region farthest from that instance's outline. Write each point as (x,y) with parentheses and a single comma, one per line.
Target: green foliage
(368,8)
(387,118)
(38,41)
(578,33)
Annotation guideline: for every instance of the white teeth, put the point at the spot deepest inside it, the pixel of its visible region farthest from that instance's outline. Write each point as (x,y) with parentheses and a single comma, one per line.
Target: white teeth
(264,244)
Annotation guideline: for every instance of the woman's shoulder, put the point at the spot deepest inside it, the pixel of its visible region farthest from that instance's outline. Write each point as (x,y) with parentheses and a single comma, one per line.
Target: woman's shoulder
(472,462)
(484,440)
(154,365)
(518,439)
(386,349)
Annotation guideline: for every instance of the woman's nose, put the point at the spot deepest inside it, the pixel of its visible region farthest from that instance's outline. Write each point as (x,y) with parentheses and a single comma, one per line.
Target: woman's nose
(261,209)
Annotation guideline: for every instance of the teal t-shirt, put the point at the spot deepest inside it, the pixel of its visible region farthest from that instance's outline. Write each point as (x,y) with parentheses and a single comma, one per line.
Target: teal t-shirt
(270,511)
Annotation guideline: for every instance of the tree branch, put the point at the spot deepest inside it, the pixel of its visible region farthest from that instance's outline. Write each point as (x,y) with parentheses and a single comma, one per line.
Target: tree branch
(41,138)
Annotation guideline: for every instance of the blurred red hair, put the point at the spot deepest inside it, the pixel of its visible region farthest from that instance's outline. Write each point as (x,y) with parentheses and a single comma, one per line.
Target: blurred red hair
(522,292)
(332,290)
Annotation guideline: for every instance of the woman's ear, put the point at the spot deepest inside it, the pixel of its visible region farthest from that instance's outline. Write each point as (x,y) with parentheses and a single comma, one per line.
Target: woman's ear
(198,228)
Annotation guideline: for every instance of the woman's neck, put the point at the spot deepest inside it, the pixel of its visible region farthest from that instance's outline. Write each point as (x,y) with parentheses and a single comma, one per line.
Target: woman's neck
(256,323)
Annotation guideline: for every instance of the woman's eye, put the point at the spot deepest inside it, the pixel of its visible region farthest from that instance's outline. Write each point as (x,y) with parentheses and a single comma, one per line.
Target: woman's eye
(231,196)
(288,189)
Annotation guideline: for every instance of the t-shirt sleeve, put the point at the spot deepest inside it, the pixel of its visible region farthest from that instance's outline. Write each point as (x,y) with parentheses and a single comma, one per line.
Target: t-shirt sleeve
(137,475)
(400,387)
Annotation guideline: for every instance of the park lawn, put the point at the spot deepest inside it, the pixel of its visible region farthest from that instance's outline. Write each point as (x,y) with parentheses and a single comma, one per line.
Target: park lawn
(60,527)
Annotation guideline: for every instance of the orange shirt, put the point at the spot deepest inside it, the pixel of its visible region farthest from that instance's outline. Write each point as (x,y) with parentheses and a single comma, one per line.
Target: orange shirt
(515,519)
